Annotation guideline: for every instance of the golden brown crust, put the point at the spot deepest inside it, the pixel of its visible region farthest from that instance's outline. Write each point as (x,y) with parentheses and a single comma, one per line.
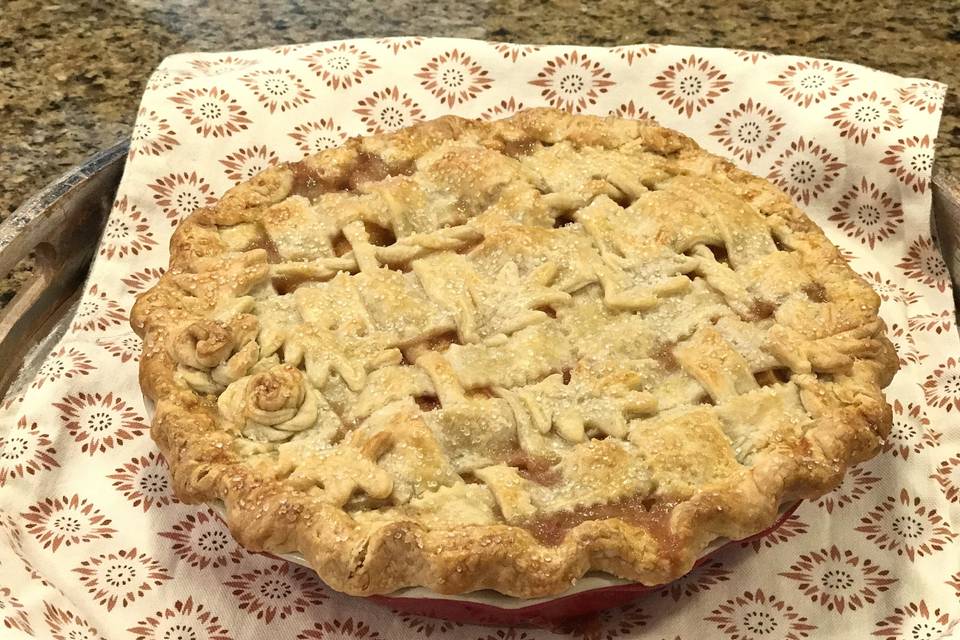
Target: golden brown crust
(195,347)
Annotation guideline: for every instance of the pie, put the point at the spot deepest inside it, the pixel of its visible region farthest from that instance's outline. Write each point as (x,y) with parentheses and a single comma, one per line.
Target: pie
(497,355)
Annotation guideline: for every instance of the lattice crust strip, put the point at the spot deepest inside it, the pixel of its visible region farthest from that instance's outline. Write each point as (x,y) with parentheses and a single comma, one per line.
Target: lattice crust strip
(546,328)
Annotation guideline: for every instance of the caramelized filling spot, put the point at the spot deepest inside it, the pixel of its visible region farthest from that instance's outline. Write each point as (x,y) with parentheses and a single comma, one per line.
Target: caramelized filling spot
(379,236)
(772,376)
(816,292)
(341,245)
(762,309)
(368,168)
(639,511)
(536,469)
(309,183)
(664,355)
(288,284)
(427,403)
(518,148)
(719,254)
(563,220)
(264,242)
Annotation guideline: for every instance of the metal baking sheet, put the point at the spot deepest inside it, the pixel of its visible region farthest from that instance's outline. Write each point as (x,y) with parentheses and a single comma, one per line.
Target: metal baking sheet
(62,224)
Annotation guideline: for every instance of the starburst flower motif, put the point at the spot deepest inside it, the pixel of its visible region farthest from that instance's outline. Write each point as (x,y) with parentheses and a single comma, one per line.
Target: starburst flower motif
(67,625)
(907,527)
(316,136)
(754,615)
(287,49)
(791,527)
(925,95)
(143,279)
(753,57)
(396,45)
(942,387)
(954,582)
(387,110)
(25,450)
(454,78)
(144,481)
(911,160)
(246,163)
(97,312)
(427,627)
(126,347)
(924,264)
(336,629)
(503,109)
(857,482)
(203,541)
(701,578)
(947,475)
(910,431)
(276,591)
(865,116)
(572,81)
(221,65)
(127,232)
(890,291)
(341,66)
(211,111)
(916,621)
(867,214)
(508,634)
(632,52)
(277,89)
(65,362)
(812,81)
(12,614)
(748,131)
(99,422)
(186,620)
(691,85)
(514,52)
(66,521)
(938,323)
(805,170)
(165,78)
(632,111)
(120,577)
(180,194)
(839,580)
(622,622)
(905,345)
(151,135)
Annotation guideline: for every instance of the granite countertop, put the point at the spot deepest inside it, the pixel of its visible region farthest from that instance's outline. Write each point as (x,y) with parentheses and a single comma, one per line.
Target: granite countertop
(72,73)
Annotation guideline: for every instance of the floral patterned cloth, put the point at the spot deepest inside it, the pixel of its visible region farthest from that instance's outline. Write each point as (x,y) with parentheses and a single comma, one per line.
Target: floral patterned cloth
(94,545)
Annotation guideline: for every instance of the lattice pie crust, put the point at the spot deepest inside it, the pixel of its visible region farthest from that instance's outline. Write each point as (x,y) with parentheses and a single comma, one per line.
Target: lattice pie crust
(498,355)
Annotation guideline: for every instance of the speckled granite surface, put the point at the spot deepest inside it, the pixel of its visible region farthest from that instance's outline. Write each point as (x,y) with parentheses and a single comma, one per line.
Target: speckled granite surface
(71,73)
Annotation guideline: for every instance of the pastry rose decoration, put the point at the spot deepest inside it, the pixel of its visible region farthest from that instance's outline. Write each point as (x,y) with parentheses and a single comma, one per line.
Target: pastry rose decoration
(204,344)
(271,405)
(212,354)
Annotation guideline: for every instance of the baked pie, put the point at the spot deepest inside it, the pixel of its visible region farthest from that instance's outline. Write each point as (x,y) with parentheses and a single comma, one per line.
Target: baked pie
(471,355)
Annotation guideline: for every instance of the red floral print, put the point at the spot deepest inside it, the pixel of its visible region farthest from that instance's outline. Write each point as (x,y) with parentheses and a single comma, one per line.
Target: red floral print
(144,481)
(212,112)
(691,85)
(942,387)
(67,625)
(142,280)
(502,109)
(126,347)
(65,362)
(454,78)
(805,170)
(791,527)
(856,483)
(954,582)
(97,312)
(622,622)
(165,78)
(426,627)
(179,194)
(339,630)
(25,450)
(812,81)
(867,214)
(572,81)
(905,345)
(276,591)
(387,110)
(753,57)
(508,634)
(916,621)
(246,163)
(755,615)
(863,117)
(911,160)
(221,66)
(925,95)
(313,137)
(947,475)
(514,52)
(748,131)
(277,89)
(924,264)
(938,323)
(66,521)
(127,232)
(890,291)
(186,620)
(400,44)
(341,66)
(99,422)
(12,614)
(632,52)
(630,110)
(151,135)
(202,540)
(839,580)
(906,526)
(121,577)
(700,579)
(910,431)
